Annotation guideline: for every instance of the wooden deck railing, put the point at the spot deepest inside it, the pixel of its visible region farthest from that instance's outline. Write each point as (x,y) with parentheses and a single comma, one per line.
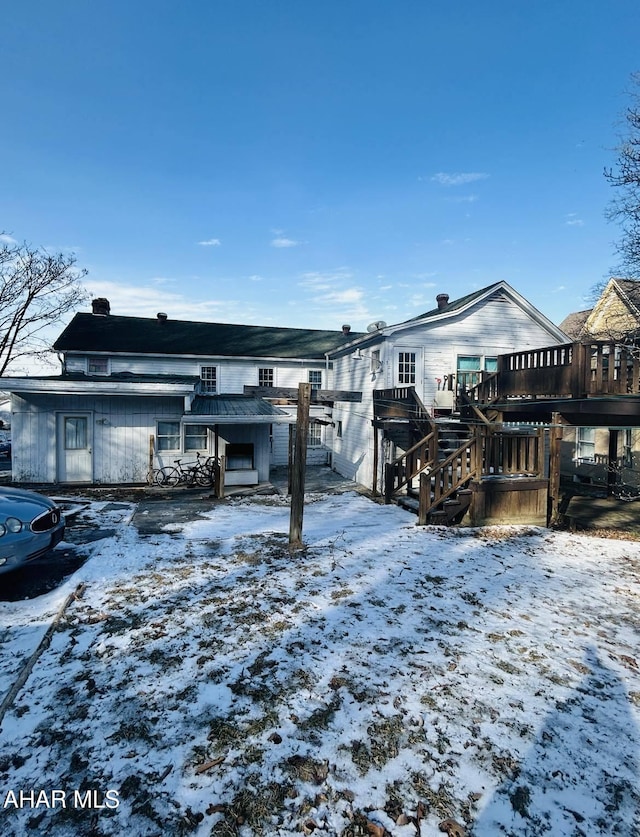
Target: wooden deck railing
(399,402)
(487,453)
(570,370)
(448,477)
(399,473)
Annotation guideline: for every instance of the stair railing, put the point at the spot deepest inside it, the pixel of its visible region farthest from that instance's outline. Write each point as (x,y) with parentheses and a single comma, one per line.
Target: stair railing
(449,476)
(400,472)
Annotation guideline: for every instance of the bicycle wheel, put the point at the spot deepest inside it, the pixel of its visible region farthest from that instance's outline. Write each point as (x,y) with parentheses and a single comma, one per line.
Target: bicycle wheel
(168,477)
(204,476)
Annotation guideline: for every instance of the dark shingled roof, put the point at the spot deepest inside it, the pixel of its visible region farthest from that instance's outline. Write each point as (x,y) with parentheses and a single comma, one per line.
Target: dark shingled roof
(139,335)
(455,304)
(573,324)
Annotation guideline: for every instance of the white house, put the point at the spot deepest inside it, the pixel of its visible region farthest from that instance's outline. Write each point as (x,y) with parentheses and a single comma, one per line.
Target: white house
(434,352)
(136,393)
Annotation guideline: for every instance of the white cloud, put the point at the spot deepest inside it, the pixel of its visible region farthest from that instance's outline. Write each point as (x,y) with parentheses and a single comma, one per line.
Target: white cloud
(210,242)
(7,239)
(458,178)
(573,220)
(463,199)
(283,242)
(147,300)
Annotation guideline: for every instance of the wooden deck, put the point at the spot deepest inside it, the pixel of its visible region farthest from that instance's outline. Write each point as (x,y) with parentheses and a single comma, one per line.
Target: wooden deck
(591,384)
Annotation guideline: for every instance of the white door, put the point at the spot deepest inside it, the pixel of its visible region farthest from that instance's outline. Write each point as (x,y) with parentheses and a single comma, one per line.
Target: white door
(75,460)
(409,370)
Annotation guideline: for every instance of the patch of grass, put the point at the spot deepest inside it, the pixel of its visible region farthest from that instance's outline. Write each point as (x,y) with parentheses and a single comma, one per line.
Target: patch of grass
(439,800)
(508,667)
(252,809)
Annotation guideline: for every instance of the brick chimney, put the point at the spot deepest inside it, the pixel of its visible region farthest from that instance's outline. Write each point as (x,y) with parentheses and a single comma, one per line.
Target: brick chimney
(442,300)
(346,329)
(162,317)
(100,306)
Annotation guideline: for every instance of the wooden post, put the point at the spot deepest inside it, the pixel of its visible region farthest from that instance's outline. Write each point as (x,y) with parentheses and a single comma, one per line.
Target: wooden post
(555,439)
(151,449)
(297,482)
(291,456)
(425,497)
(477,456)
(612,467)
(540,451)
(219,489)
(375,460)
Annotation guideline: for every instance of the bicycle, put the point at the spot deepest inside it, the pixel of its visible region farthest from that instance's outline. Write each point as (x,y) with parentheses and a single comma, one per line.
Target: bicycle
(199,473)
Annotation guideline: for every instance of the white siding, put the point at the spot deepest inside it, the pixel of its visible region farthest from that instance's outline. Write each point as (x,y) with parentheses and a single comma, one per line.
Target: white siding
(491,327)
(121,429)
(233,375)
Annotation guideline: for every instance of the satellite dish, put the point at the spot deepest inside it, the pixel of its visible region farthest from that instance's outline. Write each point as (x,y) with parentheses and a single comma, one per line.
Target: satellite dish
(376,326)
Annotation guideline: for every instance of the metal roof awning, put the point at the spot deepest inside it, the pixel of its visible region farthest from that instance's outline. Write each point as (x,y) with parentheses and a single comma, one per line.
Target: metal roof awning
(235,409)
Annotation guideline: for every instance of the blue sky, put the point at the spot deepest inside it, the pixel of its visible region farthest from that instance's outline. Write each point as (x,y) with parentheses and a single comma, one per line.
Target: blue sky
(310,164)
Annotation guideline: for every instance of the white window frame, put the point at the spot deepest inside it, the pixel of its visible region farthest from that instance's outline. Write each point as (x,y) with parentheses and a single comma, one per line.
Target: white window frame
(209,382)
(314,435)
(467,378)
(585,444)
(627,447)
(161,445)
(190,433)
(315,379)
(406,367)
(266,372)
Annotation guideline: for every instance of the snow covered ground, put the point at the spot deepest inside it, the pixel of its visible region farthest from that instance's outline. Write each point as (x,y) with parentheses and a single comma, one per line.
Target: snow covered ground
(387,677)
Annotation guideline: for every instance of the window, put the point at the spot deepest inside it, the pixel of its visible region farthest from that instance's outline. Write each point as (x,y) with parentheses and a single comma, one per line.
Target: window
(97,366)
(627,448)
(339,429)
(196,437)
(314,438)
(470,368)
(586,444)
(407,368)
(265,377)
(168,435)
(208,379)
(75,433)
(315,379)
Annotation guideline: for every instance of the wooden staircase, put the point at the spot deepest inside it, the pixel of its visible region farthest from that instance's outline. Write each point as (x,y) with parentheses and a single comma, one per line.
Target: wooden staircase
(451,458)
(443,462)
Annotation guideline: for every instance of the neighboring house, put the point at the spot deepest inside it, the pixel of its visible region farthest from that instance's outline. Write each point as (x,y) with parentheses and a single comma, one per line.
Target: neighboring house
(136,393)
(461,338)
(615,316)
(604,456)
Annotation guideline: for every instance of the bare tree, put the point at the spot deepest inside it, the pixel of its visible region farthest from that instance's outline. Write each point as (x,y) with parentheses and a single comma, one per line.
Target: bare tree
(624,208)
(36,290)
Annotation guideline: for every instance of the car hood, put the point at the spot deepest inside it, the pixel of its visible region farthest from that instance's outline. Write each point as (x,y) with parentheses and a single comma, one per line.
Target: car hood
(17,502)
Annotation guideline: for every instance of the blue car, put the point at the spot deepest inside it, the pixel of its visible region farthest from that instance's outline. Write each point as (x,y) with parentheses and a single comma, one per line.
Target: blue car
(30,525)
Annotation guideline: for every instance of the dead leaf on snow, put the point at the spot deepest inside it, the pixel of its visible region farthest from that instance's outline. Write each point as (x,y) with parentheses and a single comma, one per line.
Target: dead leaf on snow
(374,829)
(629,661)
(452,828)
(207,765)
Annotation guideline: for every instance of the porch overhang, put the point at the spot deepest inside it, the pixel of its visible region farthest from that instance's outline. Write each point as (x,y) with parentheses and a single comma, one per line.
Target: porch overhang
(234,409)
(103,385)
